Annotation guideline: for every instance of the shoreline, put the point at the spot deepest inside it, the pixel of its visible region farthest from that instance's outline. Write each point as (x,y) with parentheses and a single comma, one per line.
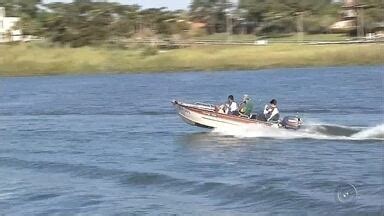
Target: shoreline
(234,70)
(32,60)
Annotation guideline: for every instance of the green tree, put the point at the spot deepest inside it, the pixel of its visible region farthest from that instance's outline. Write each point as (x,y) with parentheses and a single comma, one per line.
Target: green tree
(80,23)
(21,7)
(373,15)
(212,12)
(281,16)
(29,12)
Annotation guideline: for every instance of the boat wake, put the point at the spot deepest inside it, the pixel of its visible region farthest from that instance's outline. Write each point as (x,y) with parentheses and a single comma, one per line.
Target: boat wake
(310,131)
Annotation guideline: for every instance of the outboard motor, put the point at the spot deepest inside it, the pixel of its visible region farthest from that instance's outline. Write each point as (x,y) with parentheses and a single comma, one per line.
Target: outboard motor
(291,122)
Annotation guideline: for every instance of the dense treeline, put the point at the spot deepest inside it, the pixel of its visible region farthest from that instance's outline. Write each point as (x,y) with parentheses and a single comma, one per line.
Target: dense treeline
(84,22)
(279,16)
(87,22)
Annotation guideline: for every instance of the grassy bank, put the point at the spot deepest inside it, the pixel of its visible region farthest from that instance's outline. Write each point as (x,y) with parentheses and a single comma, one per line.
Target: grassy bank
(30,59)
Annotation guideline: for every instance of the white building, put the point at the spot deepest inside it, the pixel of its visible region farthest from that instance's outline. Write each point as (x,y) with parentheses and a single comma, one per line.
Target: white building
(8,30)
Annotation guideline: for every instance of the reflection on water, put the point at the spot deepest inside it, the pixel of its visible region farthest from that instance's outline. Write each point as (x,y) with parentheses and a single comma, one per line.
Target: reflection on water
(209,138)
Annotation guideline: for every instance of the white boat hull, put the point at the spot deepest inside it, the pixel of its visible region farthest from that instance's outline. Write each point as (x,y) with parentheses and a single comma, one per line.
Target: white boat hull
(207,116)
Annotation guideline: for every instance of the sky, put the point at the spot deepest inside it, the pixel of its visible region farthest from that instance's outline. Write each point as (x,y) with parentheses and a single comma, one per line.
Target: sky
(171,4)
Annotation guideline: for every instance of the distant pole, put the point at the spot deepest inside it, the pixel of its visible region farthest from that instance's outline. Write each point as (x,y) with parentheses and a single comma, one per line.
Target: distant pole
(360,22)
(141,25)
(18,8)
(229,28)
(300,27)
(229,9)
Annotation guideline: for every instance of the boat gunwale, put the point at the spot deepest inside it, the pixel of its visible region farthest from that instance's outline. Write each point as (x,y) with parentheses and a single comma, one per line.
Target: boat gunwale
(221,115)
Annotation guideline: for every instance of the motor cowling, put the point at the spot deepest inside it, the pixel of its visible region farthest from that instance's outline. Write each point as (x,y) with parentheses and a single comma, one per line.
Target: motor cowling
(291,122)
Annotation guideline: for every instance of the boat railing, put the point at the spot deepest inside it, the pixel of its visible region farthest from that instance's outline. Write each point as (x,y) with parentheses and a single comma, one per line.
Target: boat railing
(205,104)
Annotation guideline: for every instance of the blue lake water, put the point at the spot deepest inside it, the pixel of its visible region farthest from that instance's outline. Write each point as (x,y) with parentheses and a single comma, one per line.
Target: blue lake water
(113,145)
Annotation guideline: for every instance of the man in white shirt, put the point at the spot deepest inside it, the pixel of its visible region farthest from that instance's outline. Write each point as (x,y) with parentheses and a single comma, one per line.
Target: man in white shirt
(271,112)
(231,106)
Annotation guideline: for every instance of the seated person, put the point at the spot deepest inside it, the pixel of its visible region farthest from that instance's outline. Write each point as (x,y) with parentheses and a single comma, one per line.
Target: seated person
(246,107)
(271,112)
(230,107)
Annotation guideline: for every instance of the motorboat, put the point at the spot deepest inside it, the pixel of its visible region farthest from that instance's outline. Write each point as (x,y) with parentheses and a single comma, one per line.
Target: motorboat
(208,116)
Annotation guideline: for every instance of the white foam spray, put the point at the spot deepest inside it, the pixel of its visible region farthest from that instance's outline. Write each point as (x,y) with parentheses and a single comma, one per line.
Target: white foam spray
(371,133)
(311,131)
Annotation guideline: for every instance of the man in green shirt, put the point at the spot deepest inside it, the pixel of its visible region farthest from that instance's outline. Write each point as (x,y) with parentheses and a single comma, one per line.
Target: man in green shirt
(246,106)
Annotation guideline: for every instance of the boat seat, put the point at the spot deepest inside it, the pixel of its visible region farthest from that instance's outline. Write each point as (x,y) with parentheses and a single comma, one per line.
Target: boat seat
(244,116)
